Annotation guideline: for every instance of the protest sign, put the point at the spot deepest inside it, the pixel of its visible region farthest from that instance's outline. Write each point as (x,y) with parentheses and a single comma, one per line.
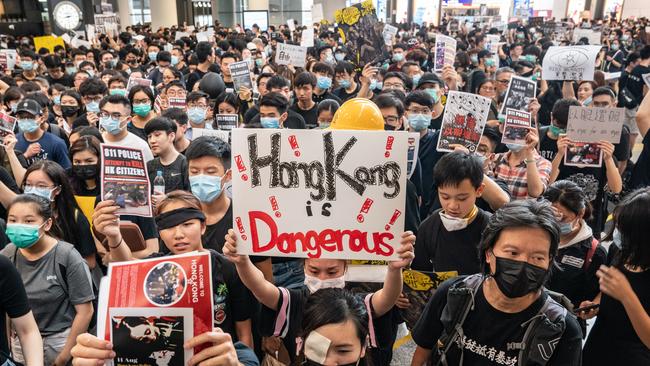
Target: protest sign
(177,103)
(198,132)
(445,52)
(317,13)
(593,124)
(319,193)
(7,125)
(570,63)
(583,154)
(125,180)
(463,121)
(593,37)
(516,127)
(9,57)
(48,42)
(519,94)
(418,288)
(307,37)
(389,34)
(180,35)
(412,155)
(137,81)
(287,54)
(241,75)
(291,24)
(202,37)
(226,121)
(148,308)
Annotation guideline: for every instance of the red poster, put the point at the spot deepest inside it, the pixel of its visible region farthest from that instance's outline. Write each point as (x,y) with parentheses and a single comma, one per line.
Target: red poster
(149,308)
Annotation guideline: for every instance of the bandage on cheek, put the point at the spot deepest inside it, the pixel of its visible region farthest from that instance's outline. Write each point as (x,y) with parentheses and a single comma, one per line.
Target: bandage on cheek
(316,346)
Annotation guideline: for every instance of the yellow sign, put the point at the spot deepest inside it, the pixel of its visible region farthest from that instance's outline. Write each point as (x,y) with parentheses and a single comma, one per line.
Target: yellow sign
(48,42)
(419,281)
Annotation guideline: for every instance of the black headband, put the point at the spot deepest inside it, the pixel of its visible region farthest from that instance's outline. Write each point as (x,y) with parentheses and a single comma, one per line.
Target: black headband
(178,216)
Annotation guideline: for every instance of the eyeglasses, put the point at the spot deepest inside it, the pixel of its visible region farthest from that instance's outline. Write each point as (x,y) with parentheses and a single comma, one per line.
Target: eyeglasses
(141,101)
(197,105)
(504,81)
(114,115)
(394,86)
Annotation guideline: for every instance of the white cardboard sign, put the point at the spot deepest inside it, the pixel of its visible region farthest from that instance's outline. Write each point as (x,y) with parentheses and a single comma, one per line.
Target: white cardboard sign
(570,63)
(288,54)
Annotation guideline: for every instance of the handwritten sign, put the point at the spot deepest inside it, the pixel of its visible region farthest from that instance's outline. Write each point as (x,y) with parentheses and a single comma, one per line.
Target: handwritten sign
(519,94)
(592,124)
(591,35)
(570,63)
(287,54)
(445,52)
(241,75)
(125,180)
(646,79)
(516,127)
(319,193)
(463,121)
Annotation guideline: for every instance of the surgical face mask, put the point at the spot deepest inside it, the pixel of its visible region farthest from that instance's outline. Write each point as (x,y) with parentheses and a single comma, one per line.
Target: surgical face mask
(27,65)
(625,37)
(142,109)
(153,55)
(196,114)
(516,278)
(90,72)
(70,70)
(110,125)
(566,228)
(388,127)
(530,58)
(259,62)
(330,59)
(614,47)
(416,79)
(520,36)
(587,102)
(205,187)
(515,148)
(453,223)
(376,85)
(121,92)
(22,235)
(28,125)
(398,57)
(490,62)
(339,57)
(556,131)
(344,83)
(434,94)
(314,283)
(474,59)
(14,107)
(56,100)
(270,122)
(323,82)
(174,61)
(92,107)
(419,122)
(41,192)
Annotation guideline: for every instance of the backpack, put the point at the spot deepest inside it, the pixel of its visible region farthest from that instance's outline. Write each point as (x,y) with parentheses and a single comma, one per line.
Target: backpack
(543,331)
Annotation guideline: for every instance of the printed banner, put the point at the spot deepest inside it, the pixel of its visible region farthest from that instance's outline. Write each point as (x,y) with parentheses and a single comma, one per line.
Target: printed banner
(177,103)
(226,121)
(418,288)
(445,52)
(593,124)
(519,94)
(148,308)
(463,121)
(125,180)
(516,127)
(583,154)
(570,63)
(319,193)
(241,75)
(287,54)
(137,81)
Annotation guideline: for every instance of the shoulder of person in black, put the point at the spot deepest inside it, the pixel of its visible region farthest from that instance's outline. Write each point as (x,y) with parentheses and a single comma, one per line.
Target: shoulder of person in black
(327,95)
(641,172)
(80,121)
(137,131)
(310,116)
(8,180)
(251,113)
(57,131)
(13,302)
(622,151)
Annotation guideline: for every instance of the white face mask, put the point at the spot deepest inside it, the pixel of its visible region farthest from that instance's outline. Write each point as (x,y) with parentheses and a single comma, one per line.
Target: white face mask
(314,283)
(453,223)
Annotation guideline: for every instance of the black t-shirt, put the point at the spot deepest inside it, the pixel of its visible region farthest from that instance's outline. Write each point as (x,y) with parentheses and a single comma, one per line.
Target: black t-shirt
(13,301)
(439,250)
(641,173)
(197,75)
(136,131)
(612,340)
(174,174)
(310,116)
(327,95)
(487,332)
(233,302)
(66,80)
(635,81)
(8,180)
(344,95)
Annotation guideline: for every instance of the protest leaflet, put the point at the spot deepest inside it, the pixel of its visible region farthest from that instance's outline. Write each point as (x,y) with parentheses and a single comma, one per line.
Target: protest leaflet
(307,37)
(149,307)
(583,154)
(226,121)
(7,125)
(336,194)
(593,124)
(241,75)
(221,134)
(137,81)
(177,103)
(519,94)
(389,34)
(418,288)
(463,121)
(570,63)
(445,52)
(412,155)
(9,58)
(516,127)
(125,180)
(287,54)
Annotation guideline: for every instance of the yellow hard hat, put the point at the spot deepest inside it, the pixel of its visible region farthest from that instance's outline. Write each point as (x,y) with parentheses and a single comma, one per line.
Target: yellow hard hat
(358,114)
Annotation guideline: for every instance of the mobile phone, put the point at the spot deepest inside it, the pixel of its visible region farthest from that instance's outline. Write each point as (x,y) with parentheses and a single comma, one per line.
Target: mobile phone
(586,308)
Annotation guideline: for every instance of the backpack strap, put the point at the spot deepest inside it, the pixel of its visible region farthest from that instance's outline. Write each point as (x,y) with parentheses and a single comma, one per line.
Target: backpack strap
(60,268)
(590,254)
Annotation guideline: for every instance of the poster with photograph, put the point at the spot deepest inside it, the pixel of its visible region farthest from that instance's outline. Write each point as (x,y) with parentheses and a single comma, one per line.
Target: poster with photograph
(149,307)
(7,125)
(463,121)
(241,75)
(125,180)
(226,122)
(517,125)
(389,34)
(445,52)
(570,63)
(336,194)
(412,155)
(137,81)
(583,154)
(519,94)
(593,124)
(418,288)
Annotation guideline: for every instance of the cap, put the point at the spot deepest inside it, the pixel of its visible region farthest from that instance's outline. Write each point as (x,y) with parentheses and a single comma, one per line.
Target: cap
(358,114)
(251,46)
(484,53)
(30,106)
(428,78)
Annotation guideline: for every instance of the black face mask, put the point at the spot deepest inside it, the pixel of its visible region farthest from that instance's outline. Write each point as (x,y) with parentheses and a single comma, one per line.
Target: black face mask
(388,127)
(516,278)
(85,171)
(69,111)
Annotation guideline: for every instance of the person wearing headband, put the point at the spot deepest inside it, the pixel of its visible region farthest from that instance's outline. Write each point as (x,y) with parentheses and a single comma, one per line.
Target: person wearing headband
(181,224)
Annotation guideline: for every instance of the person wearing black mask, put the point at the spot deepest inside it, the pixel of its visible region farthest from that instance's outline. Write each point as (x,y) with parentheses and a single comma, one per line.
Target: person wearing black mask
(503,315)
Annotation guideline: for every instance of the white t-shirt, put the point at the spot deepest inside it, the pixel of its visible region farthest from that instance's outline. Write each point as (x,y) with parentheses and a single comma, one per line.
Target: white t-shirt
(132,141)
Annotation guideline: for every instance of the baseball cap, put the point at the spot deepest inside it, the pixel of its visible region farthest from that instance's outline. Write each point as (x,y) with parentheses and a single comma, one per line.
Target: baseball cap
(30,106)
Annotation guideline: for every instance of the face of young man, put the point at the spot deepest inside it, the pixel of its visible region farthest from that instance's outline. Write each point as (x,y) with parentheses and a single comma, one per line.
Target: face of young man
(160,141)
(458,201)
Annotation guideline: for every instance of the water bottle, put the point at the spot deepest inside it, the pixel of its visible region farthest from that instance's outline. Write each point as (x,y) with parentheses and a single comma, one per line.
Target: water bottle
(159,183)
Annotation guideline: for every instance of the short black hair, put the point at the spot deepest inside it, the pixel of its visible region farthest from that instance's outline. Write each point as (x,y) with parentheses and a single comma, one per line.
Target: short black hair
(389,101)
(453,168)
(160,124)
(203,50)
(344,66)
(89,131)
(230,55)
(115,99)
(141,88)
(604,90)
(164,56)
(226,97)
(408,83)
(560,112)
(570,195)
(492,134)
(304,78)
(323,68)
(277,82)
(420,97)
(92,86)
(631,217)
(275,99)
(197,95)
(645,52)
(176,114)
(264,75)
(209,146)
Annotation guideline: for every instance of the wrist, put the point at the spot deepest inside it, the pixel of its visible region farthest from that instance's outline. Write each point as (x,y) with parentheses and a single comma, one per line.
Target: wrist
(114,241)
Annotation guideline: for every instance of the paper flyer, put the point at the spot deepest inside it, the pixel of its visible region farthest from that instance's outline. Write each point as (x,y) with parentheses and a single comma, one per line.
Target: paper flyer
(583,154)
(418,288)
(517,125)
(445,52)
(519,94)
(221,134)
(226,121)
(7,125)
(463,121)
(241,75)
(125,180)
(137,81)
(149,307)
(412,155)
(176,103)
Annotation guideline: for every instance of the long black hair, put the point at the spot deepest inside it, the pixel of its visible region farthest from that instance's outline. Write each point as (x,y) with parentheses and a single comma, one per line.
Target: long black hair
(43,208)
(632,216)
(85,143)
(569,195)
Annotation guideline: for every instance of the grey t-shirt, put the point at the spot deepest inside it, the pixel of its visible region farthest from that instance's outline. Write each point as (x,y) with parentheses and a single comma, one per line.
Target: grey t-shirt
(53,308)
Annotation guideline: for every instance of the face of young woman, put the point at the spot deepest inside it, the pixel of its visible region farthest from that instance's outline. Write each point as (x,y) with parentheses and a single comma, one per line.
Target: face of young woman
(325,269)
(185,237)
(346,347)
(27,214)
